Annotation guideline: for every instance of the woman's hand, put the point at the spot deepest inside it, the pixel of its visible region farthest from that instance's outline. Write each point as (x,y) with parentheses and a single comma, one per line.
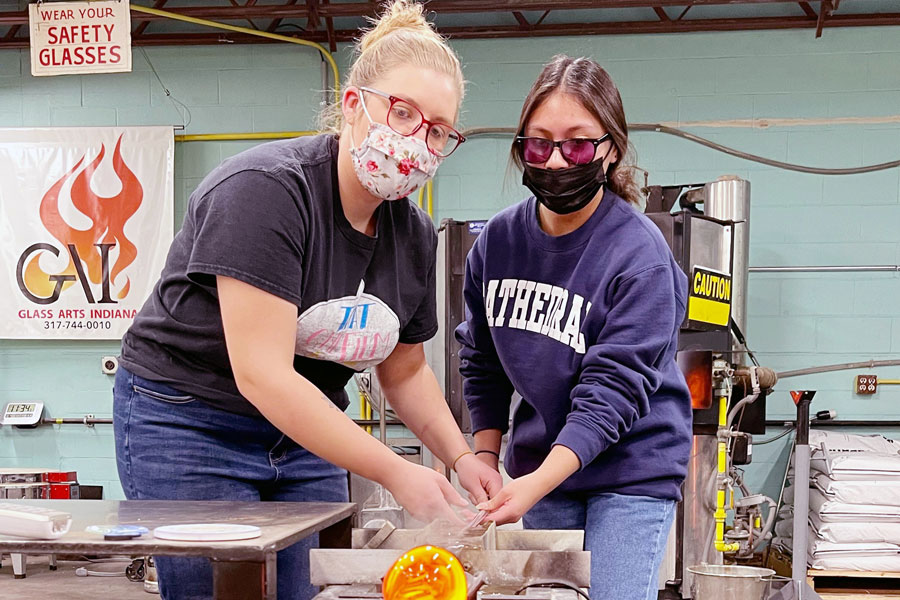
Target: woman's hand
(426,494)
(521,494)
(478,478)
(515,499)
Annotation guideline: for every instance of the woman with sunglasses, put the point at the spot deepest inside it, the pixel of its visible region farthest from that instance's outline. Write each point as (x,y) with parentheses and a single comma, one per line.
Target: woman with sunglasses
(299,263)
(574,301)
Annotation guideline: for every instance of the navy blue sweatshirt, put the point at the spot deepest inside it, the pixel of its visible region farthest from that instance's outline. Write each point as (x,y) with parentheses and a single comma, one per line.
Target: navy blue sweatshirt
(584,326)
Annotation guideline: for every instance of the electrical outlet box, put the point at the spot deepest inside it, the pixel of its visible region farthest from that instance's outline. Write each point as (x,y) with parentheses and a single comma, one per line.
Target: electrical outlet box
(866,384)
(109,365)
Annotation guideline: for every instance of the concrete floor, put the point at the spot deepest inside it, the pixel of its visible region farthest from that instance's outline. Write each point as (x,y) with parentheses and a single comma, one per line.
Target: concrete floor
(44,584)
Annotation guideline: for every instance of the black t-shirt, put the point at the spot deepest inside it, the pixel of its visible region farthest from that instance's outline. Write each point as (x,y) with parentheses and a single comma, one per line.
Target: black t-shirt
(272,217)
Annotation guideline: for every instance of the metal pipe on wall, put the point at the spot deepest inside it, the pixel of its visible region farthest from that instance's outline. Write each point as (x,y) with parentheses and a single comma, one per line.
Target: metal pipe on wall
(836,423)
(504,131)
(87,420)
(828,269)
(265,34)
(234,137)
(867,364)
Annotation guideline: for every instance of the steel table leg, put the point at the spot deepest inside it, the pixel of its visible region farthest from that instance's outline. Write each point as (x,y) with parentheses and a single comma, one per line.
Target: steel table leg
(18,561)
(245,580)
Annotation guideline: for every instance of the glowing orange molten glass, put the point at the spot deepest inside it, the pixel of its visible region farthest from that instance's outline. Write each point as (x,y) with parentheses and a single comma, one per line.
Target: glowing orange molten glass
(425,573)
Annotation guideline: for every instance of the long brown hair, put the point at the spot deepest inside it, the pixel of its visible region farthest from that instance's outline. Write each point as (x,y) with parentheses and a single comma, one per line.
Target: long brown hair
(586,81)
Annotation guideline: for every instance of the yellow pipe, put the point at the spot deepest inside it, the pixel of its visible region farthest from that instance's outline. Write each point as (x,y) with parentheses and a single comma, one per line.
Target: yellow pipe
(272,36)
(365,411)
(889,382)
(722,467)
(429,190)
(722,546)
(222,137)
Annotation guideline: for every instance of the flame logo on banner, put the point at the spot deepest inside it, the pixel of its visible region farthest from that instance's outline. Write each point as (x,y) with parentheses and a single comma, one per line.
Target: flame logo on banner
(108,216)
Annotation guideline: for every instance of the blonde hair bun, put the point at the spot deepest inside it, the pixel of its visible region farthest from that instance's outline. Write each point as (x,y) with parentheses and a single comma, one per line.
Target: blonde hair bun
(400,14)
(400,37)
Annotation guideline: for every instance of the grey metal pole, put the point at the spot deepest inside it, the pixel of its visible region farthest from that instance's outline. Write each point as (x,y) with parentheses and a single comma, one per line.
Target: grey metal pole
(801,486)
(382,417)
(801,511)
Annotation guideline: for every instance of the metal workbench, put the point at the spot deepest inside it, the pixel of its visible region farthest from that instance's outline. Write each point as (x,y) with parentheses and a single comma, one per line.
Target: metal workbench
(244,569)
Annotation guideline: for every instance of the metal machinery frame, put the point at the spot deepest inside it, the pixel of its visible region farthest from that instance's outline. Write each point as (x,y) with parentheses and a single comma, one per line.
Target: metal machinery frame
(326,22)
(709,238)
(455,240)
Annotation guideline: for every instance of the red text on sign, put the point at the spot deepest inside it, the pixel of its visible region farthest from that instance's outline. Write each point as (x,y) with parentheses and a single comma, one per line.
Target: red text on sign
(80,34)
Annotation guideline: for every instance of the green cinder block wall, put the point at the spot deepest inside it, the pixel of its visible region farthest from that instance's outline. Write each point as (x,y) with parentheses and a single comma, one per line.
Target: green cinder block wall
(713,84)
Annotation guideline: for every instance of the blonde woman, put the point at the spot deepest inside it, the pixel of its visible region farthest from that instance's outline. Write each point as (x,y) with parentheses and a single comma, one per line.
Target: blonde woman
(299,263)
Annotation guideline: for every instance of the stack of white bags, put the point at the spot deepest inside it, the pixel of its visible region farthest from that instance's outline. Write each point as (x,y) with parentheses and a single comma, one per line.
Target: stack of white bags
(854,503)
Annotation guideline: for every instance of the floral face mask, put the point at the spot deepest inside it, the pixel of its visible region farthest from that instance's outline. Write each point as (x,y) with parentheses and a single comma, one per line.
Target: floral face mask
(389,165)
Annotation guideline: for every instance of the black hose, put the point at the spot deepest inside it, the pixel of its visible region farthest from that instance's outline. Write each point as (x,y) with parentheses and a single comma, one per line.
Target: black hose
(761,159)
(659,128)
(554,584)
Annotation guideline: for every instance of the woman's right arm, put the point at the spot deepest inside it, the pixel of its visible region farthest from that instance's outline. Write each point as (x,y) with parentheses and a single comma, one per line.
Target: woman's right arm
(260,333)
(486,387)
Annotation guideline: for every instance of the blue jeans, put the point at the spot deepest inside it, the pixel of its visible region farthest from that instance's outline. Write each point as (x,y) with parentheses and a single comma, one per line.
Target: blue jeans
(626,536)
(171,446)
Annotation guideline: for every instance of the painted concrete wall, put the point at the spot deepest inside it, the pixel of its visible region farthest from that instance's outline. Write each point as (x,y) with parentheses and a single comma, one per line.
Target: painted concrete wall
(714,85)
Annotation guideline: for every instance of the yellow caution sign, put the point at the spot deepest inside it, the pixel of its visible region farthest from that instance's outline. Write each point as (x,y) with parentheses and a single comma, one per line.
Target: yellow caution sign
(710,297)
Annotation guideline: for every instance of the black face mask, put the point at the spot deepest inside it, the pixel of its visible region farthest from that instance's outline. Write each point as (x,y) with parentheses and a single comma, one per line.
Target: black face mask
(565,191)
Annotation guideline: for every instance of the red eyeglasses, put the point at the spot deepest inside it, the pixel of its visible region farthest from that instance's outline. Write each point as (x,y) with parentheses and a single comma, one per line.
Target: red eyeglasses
(576,151)
(406,119)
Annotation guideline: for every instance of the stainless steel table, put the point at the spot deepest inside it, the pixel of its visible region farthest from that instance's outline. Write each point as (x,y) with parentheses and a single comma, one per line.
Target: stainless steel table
(242,570)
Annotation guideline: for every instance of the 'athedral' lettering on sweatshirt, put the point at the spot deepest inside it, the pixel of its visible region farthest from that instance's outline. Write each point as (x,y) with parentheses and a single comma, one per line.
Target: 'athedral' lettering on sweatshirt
(584,326)
(539,307)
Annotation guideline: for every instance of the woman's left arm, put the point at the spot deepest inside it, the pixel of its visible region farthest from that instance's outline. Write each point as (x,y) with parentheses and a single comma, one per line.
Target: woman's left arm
(622,369)
(413,391)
